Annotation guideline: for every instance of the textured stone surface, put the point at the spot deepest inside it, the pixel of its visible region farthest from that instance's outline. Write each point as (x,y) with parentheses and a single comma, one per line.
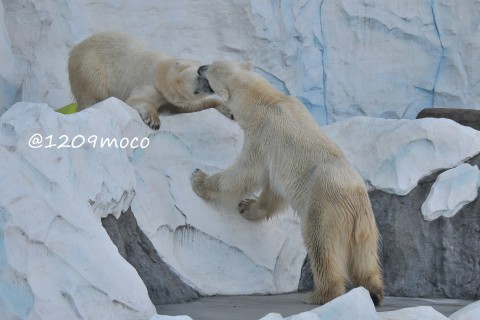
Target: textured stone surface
(393,155)
(468,117)
(56,260)
(10,79)
(163,285)
(425,313)
(355,304)
(341,58)
(440,258)
(453,189)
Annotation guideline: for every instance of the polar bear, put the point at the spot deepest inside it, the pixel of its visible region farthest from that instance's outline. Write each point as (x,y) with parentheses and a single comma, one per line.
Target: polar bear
(292,161)
(114,64)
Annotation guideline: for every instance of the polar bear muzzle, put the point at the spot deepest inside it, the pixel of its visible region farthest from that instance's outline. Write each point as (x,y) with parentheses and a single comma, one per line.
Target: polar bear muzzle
(202,69)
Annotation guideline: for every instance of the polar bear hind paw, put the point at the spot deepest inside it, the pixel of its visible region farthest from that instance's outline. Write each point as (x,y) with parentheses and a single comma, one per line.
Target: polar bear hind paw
(245,205)
(198,183)
(249,210)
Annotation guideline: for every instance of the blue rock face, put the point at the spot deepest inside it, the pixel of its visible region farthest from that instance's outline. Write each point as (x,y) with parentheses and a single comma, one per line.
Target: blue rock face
(386,59)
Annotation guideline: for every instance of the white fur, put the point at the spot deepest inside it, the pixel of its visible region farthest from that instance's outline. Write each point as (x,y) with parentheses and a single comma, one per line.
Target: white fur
(287,155)
(111,64)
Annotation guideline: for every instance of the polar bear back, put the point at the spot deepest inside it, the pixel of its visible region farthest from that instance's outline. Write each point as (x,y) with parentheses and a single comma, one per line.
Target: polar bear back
(116,59)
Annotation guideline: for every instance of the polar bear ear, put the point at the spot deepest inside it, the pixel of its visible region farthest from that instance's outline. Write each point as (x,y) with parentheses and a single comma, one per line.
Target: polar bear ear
(224,94)
(247,65)
(180,65)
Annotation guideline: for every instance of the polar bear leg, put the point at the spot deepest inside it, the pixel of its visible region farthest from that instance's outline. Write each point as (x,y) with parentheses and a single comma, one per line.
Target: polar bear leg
(364,267)
(146,100)
(223,109)
(235,182)
(328,253)
(365,270)
(85,102)
(205,103)
(266,206)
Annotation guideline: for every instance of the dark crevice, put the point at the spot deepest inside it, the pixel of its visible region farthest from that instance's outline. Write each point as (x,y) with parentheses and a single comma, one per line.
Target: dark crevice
(163,285)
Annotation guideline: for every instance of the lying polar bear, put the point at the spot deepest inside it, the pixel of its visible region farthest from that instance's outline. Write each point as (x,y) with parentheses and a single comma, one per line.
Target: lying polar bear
(288,156)
(111,64)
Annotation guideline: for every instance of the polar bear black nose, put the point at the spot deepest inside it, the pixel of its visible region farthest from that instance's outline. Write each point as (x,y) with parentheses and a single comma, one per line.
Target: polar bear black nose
(201,70)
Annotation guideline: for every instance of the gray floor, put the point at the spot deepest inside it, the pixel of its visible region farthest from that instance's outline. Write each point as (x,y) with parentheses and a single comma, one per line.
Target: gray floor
(255,307)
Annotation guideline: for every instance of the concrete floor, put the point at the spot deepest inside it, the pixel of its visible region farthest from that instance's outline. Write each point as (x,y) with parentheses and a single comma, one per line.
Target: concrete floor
(255,307)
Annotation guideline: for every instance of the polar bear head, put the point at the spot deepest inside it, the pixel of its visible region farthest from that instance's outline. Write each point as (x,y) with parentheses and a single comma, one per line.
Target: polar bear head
(178,81)
(222,75)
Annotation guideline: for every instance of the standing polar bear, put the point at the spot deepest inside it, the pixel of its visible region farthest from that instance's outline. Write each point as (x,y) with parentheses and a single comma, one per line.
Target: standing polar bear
(111,64)
(289,157)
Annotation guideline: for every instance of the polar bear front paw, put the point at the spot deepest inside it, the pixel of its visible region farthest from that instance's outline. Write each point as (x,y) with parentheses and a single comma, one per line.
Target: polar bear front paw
(198,183)
(151,119)
(223,109)
(245,207)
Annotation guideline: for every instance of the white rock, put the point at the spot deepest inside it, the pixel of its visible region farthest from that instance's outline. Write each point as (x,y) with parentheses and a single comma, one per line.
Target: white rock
(56,259)
(452,190)
(455,84)
(470,312)
(213,248)
(355,304)
(393,155)
(272,316)
(424,313)
(10,79)
(304,316)
(367,65)
(159,317)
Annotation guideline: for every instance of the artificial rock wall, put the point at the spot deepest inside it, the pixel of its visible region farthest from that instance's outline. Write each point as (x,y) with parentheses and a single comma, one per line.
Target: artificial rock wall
(341,58)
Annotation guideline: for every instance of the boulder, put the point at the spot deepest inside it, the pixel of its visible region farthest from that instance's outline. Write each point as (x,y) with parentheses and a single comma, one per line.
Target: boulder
(438,258)
(466,117)
(423,312)
(393,155)
(453,189)
(355,304)
(56,259)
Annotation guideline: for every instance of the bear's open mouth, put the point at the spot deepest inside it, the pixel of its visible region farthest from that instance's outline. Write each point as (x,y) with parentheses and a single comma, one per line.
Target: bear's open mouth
(210,88)
(203,86)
